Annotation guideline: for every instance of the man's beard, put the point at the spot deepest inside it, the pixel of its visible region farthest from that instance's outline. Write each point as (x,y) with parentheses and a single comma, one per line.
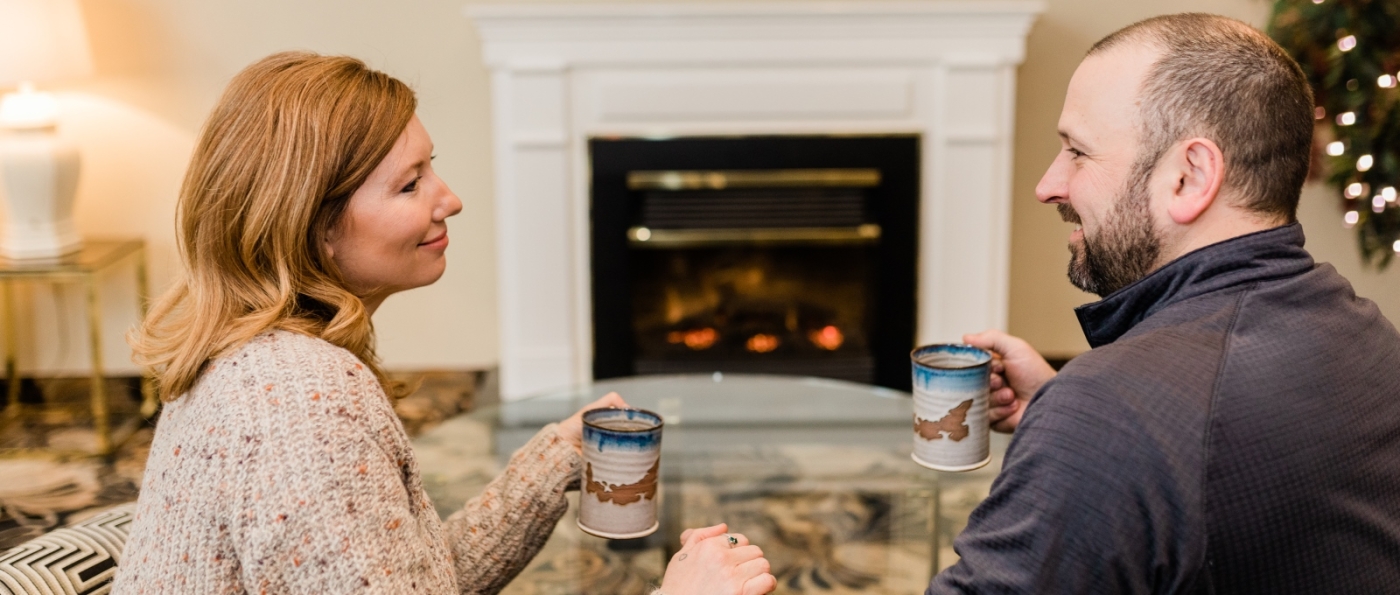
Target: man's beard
(1125,249)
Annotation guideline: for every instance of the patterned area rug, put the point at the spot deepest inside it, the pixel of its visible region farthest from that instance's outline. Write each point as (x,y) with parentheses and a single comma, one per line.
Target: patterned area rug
(40,491)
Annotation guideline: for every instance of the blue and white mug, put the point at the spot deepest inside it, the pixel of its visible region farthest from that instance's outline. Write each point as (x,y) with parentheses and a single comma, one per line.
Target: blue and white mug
(951,389)
(621,468)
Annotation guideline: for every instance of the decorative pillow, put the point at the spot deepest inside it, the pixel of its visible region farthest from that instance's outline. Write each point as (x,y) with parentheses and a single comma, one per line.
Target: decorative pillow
(77,560)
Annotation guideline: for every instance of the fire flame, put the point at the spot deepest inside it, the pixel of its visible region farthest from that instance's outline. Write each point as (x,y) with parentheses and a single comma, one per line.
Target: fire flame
(828,337)
(762,343)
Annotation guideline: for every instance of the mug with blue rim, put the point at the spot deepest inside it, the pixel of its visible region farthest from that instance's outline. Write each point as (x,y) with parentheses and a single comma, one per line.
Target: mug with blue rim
(951,390)
(621,467)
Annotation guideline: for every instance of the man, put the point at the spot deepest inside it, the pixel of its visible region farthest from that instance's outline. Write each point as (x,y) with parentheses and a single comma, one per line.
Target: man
(1236,426)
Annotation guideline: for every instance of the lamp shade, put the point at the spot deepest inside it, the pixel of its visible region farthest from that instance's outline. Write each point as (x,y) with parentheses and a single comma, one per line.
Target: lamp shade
(42,40)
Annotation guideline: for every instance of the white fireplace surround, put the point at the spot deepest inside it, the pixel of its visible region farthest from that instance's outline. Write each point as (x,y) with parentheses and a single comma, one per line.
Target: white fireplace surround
(562,74)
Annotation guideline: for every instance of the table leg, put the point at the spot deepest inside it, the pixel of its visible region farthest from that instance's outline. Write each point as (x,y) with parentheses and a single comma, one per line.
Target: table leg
(101,423)
(149,403)
(936,529)
(12,404)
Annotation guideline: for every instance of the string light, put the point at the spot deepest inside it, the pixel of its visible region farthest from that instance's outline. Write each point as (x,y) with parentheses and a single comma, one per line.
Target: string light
(1395,246)
(1361,111)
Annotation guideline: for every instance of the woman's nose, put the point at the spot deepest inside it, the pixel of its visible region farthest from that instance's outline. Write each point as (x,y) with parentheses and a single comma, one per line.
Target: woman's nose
(448,204)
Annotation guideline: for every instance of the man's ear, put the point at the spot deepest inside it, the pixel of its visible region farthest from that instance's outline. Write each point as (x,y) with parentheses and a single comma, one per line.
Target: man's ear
(1198,169)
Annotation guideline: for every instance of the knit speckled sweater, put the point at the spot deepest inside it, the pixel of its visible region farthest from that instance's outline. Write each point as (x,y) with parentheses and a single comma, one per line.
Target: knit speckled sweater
(285,470)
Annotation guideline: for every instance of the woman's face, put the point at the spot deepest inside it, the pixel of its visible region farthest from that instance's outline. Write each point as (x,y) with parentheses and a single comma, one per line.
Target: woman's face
(393,232)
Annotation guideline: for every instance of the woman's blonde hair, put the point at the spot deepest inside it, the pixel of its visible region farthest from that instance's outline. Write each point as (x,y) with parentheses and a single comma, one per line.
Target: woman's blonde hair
(293,136)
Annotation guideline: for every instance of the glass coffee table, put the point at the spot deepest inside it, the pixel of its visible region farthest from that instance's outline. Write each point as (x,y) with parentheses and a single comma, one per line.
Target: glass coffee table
(816,472)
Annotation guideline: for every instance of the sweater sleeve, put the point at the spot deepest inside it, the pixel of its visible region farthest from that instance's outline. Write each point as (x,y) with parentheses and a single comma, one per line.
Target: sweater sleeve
(497,533)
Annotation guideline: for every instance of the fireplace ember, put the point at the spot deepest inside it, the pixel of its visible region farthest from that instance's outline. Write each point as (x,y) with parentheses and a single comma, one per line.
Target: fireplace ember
(697,339)
(762,343)
(828,337)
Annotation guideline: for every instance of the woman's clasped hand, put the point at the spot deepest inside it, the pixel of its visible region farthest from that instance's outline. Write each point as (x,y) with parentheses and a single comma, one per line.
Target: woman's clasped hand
(714,562)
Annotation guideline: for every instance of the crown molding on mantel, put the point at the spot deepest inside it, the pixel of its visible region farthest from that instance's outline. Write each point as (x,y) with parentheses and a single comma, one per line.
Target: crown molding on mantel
(857,31)
(654,10)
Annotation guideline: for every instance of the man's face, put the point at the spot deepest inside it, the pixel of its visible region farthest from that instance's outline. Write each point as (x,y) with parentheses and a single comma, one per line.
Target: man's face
(1097,181)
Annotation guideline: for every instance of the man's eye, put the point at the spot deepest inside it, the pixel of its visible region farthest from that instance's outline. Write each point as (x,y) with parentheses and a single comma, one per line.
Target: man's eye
(1076,153)
(412,185)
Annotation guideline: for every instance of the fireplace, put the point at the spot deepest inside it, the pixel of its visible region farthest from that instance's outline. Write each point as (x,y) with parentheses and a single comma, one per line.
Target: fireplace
(757,254)
(568,78)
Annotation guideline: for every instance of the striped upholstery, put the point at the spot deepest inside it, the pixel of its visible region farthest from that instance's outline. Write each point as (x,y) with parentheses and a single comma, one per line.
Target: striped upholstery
(77,560)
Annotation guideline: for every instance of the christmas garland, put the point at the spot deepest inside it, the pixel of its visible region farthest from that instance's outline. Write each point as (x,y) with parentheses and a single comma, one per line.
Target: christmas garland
(1350,52)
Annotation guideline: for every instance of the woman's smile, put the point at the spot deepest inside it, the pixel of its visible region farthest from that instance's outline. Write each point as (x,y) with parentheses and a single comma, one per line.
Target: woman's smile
(438,242)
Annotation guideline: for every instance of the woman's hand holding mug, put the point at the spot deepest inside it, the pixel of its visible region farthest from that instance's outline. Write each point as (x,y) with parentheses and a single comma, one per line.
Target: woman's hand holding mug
(571,429)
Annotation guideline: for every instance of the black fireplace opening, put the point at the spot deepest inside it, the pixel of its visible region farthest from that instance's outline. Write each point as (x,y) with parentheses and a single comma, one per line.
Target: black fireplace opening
(769,254)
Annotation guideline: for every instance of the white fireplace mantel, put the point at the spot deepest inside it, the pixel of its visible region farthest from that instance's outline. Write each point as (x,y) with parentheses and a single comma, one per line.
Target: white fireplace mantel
(562,74)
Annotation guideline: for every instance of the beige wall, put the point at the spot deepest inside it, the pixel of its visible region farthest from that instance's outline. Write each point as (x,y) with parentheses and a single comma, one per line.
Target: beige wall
(162,63)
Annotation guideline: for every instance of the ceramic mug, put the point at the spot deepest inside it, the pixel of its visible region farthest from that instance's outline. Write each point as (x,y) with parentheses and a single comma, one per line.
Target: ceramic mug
(951,389)
(621,464)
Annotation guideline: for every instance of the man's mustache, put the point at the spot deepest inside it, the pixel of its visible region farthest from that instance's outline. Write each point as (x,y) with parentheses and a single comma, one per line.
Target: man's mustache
(1068,214)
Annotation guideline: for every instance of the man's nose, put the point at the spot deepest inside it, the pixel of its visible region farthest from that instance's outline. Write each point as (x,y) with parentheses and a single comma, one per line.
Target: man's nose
(1054,184)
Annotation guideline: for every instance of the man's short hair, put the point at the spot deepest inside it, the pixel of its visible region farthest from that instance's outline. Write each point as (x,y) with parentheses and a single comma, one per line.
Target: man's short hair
(1224,80)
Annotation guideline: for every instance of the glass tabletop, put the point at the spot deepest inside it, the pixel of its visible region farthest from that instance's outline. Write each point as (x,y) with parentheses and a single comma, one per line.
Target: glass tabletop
(816,472)
(94,255)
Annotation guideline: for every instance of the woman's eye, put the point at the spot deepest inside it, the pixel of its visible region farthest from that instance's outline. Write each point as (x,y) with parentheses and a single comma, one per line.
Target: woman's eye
(412,185)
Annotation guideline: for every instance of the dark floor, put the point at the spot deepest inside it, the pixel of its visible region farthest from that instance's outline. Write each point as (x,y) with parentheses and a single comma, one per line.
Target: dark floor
(44,484)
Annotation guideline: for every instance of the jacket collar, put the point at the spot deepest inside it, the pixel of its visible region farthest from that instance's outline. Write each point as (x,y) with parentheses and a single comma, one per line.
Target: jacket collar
(1260,256)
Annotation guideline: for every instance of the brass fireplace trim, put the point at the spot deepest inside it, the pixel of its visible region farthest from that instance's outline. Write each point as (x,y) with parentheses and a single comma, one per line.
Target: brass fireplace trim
(643,237)
(753,178)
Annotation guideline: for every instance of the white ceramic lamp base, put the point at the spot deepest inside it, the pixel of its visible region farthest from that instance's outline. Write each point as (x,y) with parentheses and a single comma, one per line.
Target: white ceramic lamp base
(40,172)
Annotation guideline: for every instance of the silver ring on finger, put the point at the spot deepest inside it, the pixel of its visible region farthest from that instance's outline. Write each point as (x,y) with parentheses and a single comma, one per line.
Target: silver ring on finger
(732,540)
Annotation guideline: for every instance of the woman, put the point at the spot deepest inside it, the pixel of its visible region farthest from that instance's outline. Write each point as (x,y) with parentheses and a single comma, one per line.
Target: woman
(278,465)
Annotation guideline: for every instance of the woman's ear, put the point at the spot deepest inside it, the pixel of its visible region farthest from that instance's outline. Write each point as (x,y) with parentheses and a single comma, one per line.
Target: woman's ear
(1198,167)
(328,242)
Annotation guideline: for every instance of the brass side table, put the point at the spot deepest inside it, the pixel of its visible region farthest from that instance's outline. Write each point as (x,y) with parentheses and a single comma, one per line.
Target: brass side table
(85,266)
